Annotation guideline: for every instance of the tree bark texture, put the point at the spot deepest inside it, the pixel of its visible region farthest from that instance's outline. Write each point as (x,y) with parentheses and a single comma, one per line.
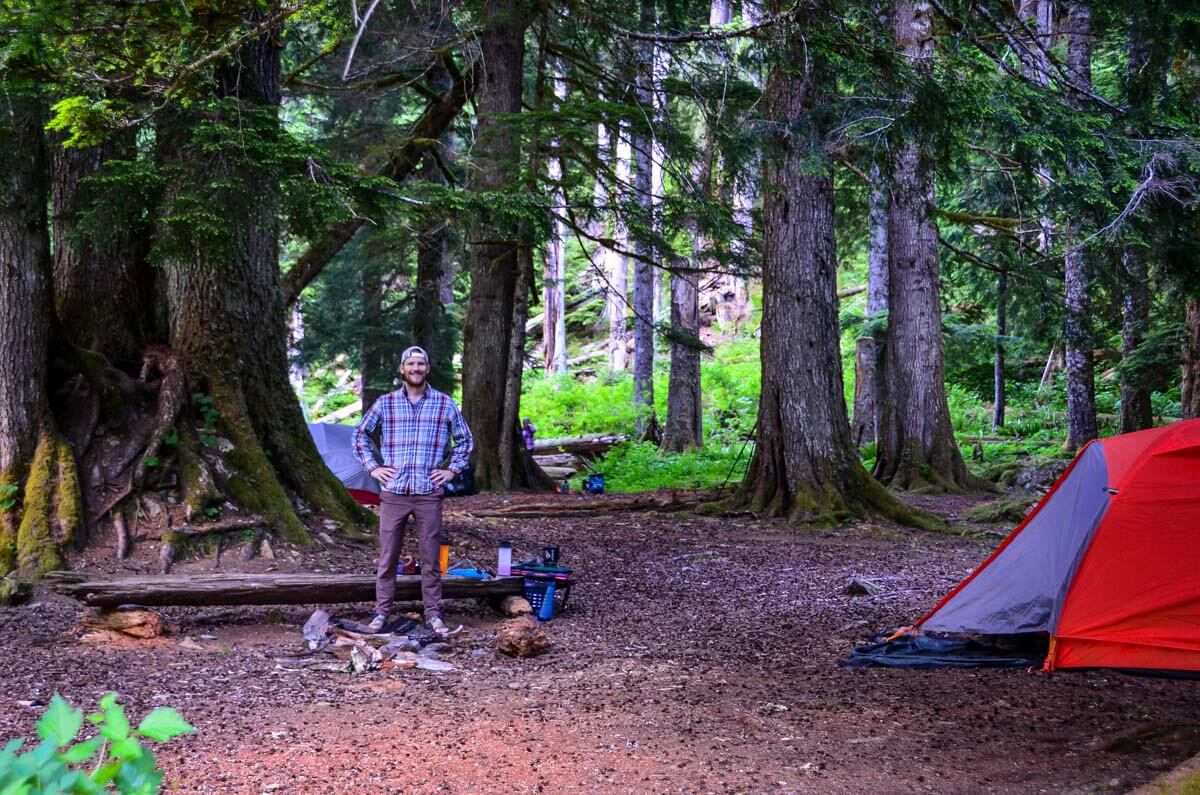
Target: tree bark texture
(804,466)
(642,144)
(1077,329)
(869,348)
(228,323)
(917,448)
(511,440)
(495,249)
(40,509)
(103,289)
(269,589)
(1137,413)
(1190,387)
(684,427)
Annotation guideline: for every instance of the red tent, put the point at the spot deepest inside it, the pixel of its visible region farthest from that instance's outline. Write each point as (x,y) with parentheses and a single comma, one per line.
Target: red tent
(1108,563)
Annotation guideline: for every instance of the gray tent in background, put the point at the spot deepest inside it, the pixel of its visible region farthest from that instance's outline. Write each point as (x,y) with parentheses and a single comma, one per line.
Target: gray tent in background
(335,443)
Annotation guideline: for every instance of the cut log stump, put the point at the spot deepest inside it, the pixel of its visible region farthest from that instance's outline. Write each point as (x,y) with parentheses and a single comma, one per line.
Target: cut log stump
(270,589)
(134,623)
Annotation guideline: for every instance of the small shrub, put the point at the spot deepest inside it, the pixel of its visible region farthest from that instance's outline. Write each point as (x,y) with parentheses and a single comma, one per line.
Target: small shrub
(113,761)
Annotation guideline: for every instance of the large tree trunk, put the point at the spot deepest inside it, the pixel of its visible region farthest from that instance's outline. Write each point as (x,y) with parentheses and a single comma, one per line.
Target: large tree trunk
(495,247)
(684,426)
(554,276)
(870,347)
(40,506)
(917,448)
(805,466)
(227,315)
(103,285)
(642,143)
(1077,330)
(511,440)
(1190,387)
(1137,413)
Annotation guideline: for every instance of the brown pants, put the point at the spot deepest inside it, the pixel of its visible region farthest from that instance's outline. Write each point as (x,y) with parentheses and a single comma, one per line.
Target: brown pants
(394,510)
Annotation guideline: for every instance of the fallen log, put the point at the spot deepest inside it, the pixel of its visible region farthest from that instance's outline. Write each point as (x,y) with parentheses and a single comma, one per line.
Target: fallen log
(591,506)
(269,589)
(558,460)
(592,444)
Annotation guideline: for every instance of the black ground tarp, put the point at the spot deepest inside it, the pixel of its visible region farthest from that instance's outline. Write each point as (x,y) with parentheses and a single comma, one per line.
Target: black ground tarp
(926,651)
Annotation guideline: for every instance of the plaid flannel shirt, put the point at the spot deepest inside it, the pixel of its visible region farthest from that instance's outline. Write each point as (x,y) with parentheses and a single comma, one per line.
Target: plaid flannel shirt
(413,439)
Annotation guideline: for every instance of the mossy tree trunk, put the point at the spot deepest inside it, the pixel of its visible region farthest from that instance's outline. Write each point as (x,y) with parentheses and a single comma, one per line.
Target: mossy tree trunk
(1190,385)
(227,318)
(916,448)
(495,246)
(805,466)
(40,505)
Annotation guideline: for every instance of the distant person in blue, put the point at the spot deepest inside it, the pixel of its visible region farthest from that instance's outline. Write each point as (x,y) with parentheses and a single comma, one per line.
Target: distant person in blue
(528,429)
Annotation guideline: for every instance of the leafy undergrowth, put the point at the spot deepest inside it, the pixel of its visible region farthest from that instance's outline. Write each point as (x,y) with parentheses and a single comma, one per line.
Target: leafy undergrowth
(113,760)
(641,466)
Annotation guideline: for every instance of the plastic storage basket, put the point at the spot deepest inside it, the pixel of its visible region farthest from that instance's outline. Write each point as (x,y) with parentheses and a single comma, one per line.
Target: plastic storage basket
(538,576)
(535,592)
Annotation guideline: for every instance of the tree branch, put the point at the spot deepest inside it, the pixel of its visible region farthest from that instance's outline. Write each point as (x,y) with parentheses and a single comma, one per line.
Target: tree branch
(706,34)
(424,135)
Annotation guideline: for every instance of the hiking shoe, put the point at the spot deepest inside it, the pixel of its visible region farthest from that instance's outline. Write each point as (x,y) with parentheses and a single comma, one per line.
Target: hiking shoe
(438,626)
(377,622)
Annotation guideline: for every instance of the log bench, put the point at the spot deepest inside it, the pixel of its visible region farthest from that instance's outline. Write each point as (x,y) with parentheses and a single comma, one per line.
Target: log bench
(205,590)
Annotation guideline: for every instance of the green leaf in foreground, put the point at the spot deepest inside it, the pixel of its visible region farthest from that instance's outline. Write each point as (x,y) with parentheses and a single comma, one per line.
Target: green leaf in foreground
(162,724)
(60,723)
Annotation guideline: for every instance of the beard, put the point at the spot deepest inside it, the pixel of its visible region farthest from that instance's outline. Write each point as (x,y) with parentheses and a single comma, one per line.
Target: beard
(413,379)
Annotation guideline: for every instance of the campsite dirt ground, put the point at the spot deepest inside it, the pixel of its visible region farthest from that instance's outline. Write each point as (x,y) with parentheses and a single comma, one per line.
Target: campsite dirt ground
(695,655)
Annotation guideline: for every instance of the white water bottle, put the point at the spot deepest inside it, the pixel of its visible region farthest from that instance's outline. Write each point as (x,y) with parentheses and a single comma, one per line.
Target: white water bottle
(504,559)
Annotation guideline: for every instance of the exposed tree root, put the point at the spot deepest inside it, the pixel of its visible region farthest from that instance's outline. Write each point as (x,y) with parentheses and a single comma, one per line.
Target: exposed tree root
(825,505)
(172,397)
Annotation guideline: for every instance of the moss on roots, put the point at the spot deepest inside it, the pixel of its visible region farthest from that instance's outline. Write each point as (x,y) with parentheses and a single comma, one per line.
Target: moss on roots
(253,482)
(198,489)
(10,489)
(52,508)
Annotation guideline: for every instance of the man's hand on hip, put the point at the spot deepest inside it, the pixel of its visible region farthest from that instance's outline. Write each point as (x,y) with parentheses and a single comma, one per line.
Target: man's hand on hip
(383,474)
(440,477)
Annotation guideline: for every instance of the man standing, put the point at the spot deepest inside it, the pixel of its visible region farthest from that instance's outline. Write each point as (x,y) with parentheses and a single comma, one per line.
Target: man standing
(416,423)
